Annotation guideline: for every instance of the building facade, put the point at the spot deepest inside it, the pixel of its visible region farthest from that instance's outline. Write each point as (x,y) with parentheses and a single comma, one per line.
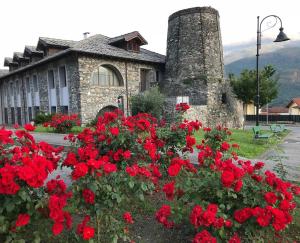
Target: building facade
(294,106)
(84,77)
(99,73)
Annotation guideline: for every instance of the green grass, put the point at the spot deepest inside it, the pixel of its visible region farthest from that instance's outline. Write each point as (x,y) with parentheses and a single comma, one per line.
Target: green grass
(39,128)
(249,147)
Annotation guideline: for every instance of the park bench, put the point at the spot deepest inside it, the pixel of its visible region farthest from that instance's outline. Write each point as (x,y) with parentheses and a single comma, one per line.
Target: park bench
(258,134)
(277,128)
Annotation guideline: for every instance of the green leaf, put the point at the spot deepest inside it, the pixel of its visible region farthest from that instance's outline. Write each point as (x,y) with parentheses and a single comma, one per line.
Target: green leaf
(131,184)
(219,194)
(144,187)
(23,195)
(10,207)
(141,197)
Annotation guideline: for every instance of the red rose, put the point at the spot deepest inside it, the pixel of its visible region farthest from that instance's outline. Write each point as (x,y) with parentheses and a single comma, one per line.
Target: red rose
(225,146)
(228,224)
(270,198)
(190,141)
(57,228)
(29,127)
(242,215)
(174,169)
(227,178)
(128,218)
(88,232)
(234,239)
(114,131)
(168,189)
(109,168)
(89,196)
(204,237)
(127,154)
(80,170)
(22,220)
(238,186)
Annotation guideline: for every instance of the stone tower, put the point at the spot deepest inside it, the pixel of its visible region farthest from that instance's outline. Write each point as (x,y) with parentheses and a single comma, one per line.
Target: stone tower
(195,68)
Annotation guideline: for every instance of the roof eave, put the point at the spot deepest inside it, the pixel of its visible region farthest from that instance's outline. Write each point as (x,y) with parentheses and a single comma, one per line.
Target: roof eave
(35,64)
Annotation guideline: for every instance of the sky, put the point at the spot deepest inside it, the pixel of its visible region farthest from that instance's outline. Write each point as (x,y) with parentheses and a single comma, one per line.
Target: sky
(22,22)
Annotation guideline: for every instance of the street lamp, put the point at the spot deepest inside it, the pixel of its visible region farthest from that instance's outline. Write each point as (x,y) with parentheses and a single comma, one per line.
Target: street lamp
(281,37)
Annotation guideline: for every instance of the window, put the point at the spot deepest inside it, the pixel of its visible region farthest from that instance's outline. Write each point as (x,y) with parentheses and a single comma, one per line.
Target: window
(224,98)
(64,109)
(105,76)
(28,85)
(18,87)
(11,89)
(51,79)
(53,109)
(35,85)
(157,76)
(62,76)
(182,99)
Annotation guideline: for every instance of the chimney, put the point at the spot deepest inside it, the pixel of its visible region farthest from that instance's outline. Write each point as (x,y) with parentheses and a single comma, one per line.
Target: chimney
(85,35)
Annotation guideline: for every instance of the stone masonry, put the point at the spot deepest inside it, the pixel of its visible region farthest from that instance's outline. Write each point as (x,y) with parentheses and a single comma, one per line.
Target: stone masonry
(195,68)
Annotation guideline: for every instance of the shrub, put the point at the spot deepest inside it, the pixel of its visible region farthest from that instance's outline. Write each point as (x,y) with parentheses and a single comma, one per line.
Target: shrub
(63,123)
(42,117)
(151,101)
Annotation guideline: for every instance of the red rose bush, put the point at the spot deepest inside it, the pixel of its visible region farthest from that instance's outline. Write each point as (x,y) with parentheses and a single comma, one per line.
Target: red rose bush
(123,161)
(24,168)
(63,123)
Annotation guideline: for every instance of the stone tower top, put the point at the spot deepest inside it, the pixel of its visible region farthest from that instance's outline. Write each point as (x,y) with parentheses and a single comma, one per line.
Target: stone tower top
(192,11)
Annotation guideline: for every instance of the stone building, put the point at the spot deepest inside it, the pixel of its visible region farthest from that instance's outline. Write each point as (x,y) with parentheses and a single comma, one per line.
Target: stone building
(94,74)
(82,77)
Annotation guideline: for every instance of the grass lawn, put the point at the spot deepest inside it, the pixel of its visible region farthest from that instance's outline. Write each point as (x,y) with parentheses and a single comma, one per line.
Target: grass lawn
(75,130)
(249,147)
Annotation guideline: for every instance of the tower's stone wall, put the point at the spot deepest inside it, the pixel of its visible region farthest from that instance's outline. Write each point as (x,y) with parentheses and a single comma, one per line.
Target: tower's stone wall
(194,65)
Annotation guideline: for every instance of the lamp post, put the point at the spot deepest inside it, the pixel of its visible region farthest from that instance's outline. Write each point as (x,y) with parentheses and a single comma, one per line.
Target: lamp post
(281,37)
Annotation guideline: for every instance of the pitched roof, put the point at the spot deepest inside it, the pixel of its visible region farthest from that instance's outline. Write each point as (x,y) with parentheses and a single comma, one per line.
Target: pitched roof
(99,45)
(3,72)
(295,100)
(128,37)
(275,109)
(32,49)
(94,45)
(46,41)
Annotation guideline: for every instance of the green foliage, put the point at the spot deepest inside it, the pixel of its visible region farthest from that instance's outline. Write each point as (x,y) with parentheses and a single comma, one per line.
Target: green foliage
(151,101)
(249,148)
(244,86)
(42,117)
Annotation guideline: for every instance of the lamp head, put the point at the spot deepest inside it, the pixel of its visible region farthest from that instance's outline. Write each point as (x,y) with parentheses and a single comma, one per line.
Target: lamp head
(281,36)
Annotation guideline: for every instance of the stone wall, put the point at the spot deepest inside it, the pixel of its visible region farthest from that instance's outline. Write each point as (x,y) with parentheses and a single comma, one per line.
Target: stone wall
(94,98)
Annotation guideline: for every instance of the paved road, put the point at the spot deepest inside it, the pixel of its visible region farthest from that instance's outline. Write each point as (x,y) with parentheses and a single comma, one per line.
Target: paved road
(289,149)
(51,138)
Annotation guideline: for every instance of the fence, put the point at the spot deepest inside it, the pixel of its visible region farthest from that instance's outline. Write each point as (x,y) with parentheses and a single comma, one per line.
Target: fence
(275,118)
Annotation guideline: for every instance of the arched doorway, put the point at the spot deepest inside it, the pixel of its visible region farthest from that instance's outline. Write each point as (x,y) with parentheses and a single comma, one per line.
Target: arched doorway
(108,108)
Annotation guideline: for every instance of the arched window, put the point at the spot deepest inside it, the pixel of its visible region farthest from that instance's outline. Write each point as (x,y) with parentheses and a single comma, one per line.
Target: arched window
(106,76)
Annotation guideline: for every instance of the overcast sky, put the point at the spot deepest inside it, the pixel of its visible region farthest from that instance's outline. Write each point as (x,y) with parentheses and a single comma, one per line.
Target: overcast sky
(23,21)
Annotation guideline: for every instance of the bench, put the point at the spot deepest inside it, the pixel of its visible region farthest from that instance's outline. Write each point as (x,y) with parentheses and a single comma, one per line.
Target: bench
(277,128)
(258,134)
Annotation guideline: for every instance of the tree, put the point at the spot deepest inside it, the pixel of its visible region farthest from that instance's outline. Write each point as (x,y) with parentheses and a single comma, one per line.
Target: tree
(244,86)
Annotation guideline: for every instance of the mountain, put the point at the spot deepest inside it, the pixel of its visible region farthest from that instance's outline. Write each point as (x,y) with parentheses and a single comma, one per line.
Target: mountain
(285,58)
